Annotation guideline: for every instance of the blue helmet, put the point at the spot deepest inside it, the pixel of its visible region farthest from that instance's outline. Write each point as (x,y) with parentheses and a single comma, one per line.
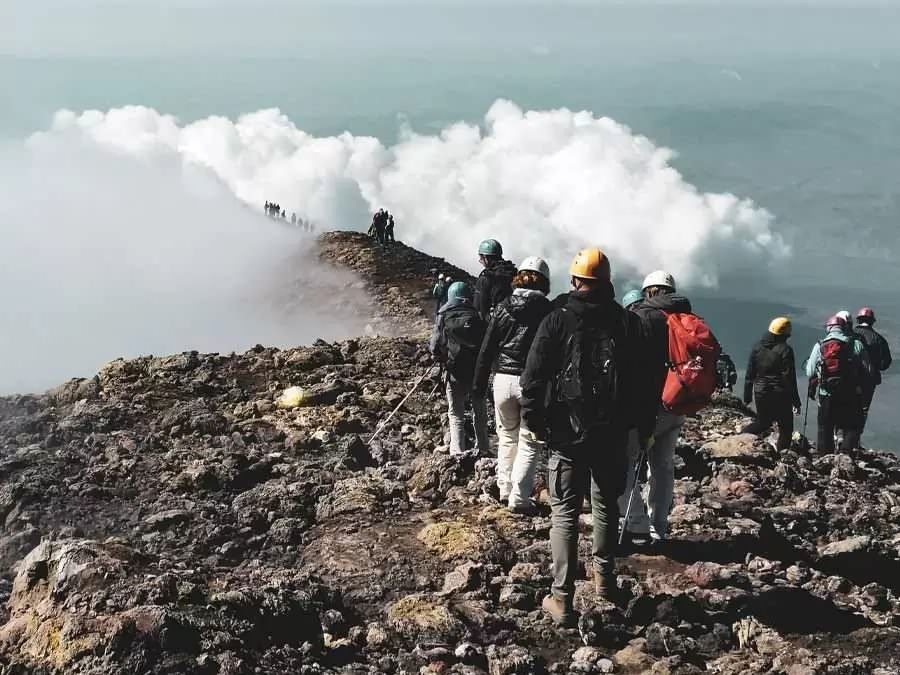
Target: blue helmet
(632,297)
(490,247)
(459,289)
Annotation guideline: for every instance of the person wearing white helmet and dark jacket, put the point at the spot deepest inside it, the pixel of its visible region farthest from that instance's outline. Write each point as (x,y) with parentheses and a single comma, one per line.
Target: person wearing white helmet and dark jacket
(510,332)
(879,355)
(652,517)
(839,365)
(455,341)
(772,378)
(494,284)
(580,394)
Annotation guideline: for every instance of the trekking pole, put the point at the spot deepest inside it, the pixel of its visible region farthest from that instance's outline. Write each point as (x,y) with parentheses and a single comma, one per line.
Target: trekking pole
(400,405)
(439,382)
(637,475)
(805,416)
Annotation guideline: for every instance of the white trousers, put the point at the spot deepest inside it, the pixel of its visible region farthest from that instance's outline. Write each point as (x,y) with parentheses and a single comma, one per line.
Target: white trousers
(517,455)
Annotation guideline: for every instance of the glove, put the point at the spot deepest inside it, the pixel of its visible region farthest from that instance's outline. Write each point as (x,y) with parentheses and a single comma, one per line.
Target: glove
(796,410)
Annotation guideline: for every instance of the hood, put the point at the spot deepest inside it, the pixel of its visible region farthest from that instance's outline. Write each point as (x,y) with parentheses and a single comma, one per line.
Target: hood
(671,303)
(525,303)
(770,339)
(837,333)
(501,268)
(453,304)
(600,302)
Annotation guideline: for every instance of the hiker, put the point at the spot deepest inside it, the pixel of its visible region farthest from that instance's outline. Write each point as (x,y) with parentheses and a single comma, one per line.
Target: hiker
(294,218)
(651,517)
(267,207)
(879,356)
(726,373)
(509,335)
(590,355)
(771,379)
(839,366)
(389,230)
(437,291)
(455,341)
(632,298)
(495,281)
(375,227)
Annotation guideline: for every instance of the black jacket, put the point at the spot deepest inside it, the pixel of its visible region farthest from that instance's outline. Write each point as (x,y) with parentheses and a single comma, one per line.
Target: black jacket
(652,313)
(549,420)
(493,285)
(509,335)
(771,370)
(878,348)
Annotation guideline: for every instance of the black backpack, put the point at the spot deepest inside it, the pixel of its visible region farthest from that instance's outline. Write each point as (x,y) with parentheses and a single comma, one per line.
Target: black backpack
(463,332)
(587,386)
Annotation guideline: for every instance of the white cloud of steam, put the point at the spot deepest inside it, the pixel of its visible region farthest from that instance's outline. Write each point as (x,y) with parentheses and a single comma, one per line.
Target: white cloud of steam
(102,256)
(542,183)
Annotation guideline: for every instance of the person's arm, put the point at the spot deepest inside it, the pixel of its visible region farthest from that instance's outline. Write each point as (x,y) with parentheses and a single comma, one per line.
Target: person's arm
(749,376)
(540,368)
(885,348)
(790,376)
(486,356)
(434,345)
(812,363)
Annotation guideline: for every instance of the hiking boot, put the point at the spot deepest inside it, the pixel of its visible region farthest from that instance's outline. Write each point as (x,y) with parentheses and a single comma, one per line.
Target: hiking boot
(527,509)
(557,610)
(605,586)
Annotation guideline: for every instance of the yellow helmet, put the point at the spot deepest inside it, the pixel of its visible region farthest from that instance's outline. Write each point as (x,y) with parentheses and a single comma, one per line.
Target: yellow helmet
(780,326)
(590,263)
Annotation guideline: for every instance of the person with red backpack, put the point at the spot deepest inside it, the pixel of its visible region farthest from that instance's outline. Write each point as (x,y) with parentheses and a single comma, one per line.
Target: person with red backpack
(839,371)
(455,342)
(684,353)
(581,388)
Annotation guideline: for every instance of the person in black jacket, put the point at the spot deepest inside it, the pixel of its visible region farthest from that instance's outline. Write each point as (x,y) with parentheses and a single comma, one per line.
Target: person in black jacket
(771,378)
(879,356)
(504,350)
(494,284)
(652,517)
(580,394)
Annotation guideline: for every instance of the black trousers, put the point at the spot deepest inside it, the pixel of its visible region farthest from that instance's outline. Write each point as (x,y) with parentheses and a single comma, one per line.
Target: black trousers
(773,408)
(841,412)
(867,395)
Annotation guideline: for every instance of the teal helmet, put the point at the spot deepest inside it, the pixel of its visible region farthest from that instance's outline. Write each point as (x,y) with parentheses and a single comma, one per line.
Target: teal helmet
(459,289)
(632,297)
(490,247)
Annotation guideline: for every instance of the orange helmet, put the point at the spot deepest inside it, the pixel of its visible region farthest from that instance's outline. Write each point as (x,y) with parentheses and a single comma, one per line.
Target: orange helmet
(590,263)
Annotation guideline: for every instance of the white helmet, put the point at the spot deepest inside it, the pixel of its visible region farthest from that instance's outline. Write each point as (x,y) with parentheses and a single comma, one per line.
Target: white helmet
(845,315)
(659,278)
(536,264)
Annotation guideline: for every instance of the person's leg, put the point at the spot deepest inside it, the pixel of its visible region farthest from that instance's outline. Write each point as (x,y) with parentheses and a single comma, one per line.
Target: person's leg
(456,411)
(785,421)
(867,396)
(825,440)
(848,415)
(567,487)
(638,520)
(508,414)
(605,514)
(525,463)
(479,419)
(662,472)
(764,416)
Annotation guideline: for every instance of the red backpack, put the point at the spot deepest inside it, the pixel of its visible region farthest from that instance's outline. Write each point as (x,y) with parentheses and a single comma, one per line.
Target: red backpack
(693,353)
(837,370)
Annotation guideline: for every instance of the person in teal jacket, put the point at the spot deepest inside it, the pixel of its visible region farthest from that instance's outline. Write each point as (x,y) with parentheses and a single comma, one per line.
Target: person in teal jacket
(840,402)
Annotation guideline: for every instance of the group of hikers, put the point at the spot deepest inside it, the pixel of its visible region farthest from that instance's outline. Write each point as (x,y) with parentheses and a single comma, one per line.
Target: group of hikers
(274,210)
(605,387)
(382,227)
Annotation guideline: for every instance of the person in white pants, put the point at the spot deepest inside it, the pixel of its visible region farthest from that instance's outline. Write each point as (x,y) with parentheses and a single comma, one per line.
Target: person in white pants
(504,351)
(650,514)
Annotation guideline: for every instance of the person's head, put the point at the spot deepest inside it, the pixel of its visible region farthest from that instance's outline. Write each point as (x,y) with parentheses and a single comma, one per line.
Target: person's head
(836,322)
(533,274)
(659,282)
(590,270)
(459,291)
(865,316)
(845,315)
(781,327)
(489,251)
(632,297)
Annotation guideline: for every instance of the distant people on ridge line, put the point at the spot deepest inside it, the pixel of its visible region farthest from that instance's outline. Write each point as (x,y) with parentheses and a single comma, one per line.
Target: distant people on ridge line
(771,379)
(276,212)
(382,227)
(439,290)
